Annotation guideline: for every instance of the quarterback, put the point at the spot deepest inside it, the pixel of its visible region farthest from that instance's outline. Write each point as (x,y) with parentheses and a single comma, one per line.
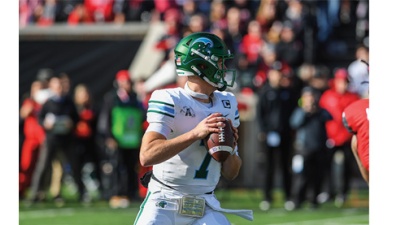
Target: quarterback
(184,176)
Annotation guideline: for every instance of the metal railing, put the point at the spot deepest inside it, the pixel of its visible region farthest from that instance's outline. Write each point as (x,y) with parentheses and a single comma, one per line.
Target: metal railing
(63,31)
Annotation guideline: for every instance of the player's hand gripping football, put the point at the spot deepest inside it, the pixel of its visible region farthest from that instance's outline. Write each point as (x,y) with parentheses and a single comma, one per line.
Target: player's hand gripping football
(208,125)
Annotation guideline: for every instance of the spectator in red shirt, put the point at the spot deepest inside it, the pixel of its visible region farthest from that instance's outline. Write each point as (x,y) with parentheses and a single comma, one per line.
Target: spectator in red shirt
(163,5)
(34,137)
(100,10)
(335,100)
(79,15)
(30,11)
(92,11)
(172,19)
(252,42)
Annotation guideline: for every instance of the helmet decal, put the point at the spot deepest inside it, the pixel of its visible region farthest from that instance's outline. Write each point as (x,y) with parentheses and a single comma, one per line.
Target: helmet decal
(203,47)
(207,43)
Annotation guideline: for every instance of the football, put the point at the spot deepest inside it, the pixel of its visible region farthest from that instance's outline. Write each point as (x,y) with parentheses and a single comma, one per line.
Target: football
(220,145)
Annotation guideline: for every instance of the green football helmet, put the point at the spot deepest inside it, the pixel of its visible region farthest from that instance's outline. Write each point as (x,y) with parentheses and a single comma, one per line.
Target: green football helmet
(204,54)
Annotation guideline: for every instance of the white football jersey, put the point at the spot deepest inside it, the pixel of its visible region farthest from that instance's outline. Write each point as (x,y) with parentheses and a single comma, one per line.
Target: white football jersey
(193,170)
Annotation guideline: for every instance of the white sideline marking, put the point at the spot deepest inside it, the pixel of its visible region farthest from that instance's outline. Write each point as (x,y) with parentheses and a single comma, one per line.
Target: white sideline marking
(46,213)
(329,221)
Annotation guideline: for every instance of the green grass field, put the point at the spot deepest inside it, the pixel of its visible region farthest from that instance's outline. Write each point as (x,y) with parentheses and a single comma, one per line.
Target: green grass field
(355,211)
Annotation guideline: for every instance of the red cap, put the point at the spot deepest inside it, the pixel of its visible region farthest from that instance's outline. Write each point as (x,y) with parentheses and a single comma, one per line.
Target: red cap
(341,74)
(123,75)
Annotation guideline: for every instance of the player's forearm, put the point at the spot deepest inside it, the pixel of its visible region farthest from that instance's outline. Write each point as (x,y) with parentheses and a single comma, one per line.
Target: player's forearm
(156,149)
(231,167)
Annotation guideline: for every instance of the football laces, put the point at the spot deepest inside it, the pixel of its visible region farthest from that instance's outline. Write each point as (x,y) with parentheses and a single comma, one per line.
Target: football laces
(221,135)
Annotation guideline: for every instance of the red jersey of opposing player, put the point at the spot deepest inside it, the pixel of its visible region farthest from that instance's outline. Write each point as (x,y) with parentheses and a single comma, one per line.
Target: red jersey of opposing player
(355,119)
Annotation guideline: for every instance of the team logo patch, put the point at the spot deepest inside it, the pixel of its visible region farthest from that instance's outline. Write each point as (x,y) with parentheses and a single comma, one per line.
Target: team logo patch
(226,103)
(161,204)
(188,111)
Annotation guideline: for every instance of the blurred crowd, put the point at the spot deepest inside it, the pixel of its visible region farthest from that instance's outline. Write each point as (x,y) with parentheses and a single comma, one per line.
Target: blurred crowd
(287,35)
(299,106)
(67,142)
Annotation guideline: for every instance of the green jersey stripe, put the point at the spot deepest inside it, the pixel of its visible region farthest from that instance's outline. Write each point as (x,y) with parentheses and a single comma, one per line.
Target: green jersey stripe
(160,102)
(163,113)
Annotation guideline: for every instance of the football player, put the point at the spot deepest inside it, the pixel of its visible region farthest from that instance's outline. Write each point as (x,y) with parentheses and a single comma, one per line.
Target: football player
(184,176)
(355,119)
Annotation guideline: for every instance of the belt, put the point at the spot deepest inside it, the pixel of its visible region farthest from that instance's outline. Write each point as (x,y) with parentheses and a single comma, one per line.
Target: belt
(166,185)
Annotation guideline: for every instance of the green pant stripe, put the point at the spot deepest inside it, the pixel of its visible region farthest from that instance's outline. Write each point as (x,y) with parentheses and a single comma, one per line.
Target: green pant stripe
(142,207)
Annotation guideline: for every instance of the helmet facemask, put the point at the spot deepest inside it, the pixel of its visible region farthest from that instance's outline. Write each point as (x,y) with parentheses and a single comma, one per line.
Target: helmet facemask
(204,55)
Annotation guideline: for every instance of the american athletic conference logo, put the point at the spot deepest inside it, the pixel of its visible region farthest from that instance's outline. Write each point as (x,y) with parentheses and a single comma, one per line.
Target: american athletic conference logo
(187,111)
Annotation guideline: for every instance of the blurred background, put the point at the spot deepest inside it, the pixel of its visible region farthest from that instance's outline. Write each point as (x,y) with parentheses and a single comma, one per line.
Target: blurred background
(94,47)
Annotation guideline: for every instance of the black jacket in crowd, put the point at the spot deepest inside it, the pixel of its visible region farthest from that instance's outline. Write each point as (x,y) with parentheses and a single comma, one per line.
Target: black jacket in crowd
(310,129)
(59,108)
(275,107)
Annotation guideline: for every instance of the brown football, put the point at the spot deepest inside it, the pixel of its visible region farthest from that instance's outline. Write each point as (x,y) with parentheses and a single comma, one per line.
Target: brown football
(220,145)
